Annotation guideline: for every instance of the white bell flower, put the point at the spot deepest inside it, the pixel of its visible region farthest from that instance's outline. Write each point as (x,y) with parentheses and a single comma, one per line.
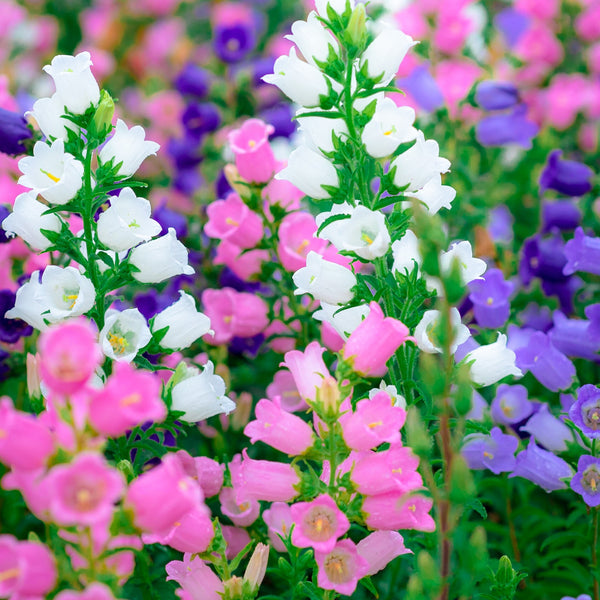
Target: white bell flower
(430,320)
(364,233)
(27,220)
(160,259)
(338,6)
(434,195)
(30,304)
(390,126)
(51,172)
(470,267)
(324,280)
(385,53)
(300,82)
(186,324)
(308,171)
(129,147)
(75,85)
(319,130)
(392,392)
(127,222)
(200,395)
(492,362)
(313,40)
(49,116)
(124,334)
(406,252)
(419,164)
(344,321)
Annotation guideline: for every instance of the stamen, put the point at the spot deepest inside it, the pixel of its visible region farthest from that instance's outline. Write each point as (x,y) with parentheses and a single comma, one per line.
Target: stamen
(9,574)
(302,245)
(230,221)
(53,177)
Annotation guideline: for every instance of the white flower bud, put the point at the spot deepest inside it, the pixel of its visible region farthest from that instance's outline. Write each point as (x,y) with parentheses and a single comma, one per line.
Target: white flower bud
(434,195)
(29,303)
(344,321)
(319,130)
(492,362)
(124,334)
(385,53)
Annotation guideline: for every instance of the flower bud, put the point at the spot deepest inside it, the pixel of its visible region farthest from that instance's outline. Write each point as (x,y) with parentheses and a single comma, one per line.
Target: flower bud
(104,113)
(257,566)
(357,27)
(329,397)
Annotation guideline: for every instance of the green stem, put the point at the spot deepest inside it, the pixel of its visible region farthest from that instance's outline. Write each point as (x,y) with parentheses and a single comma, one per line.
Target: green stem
(595,553)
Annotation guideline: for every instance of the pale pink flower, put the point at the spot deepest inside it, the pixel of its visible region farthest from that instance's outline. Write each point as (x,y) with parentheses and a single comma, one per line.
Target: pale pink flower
(283,193)
(453,27)
(318,524)
(241,513)
(455,78)
(280,429)
(410,19)
(545,10)
(195,577)
(279,521)
(237,539)
(246,265)
(308,369)
(381,547)
(296,240)
(565,97)
(206,471)
(30,484)
(398,511)
(83,492)
(341,568)
(232,220)
(284,387)
(254,157)
(69,356)
(95,591)
(130,398)
(539,45)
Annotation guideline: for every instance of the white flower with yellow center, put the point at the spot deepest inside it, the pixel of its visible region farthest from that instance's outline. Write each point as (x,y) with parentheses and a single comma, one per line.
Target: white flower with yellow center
(424,331)
(124,334)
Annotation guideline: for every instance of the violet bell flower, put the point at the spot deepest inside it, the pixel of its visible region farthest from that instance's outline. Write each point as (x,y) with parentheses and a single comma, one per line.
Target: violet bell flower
(507,128)
(490,296)
(567,177)
(13,132)
(496,95)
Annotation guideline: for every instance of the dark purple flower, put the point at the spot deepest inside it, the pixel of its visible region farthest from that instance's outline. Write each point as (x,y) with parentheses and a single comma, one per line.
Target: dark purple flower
(535,316)
(249,346)
(4,212)
(543,258)
(496,95)
(222,187)
(11,330)
(490,297)
(564,291)
(500,224)
(573,338)
(510,405)
(507,128)
(193,81)
(547,430)
(495,452)
(199,118)
(232,43)
(4,368)
(583,254)
(188,180)
(547,364)
(13,131)
(587,479)
(567,177)
(170,218)
(561,214)
(228,278)
(513,24)
(185,152)
(260,67)
(585,411)
(151,302)
(421,85)
(280,116)
(542,468)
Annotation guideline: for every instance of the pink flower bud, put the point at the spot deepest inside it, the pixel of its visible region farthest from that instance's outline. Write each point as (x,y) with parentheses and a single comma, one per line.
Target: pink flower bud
(254,158)
(381,547)
(373,342)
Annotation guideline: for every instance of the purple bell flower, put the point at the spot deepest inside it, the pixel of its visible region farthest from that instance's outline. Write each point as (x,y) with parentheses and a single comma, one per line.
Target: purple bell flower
(535,316)
(261,66)
(495,452)
(199,118)
(567,177)
(421,85)
(185,152)
(507,128)
(542,468)
(500,224)
(496,95)
(4,212)
(4,368)
(547,430)
(561,214)
(232,43)
(564,291)
(572,337)
(583,254)
(513,24)
(280,116)
(543,258)
(193,81)
(249,346)
(510,405)
(168,218)
(188,180)
(580,597)
(585,411)
(490,298)
(13,131)
(587,479)
(222,187)
(11,330)
(592,312)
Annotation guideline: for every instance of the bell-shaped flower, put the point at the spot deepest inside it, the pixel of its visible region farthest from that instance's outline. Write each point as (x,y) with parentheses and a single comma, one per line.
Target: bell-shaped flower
(49,114)
(390,126)
(344,321)
(160,259)
(29,303)
(254,156)
(185,323)
(424,331)
(127,147)
(434,195)
(364,233)
(27,220)
(384,54)
(14,130)
(300,82)
(492,362)
(470,268)
(325,280)
(308,370)
(124,334)
(309,171)
(75,85)
(406,253)
(319,130)
(51,172)
(419,164)
(127,222)
(200,395)
(341,568)
(313,40)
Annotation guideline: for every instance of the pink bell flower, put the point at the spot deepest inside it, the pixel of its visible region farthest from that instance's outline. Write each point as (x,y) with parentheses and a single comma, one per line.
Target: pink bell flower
(280,429)
(232,220)
(284,387)
(83,492)
(318,524)
(246,265)
(254,157)
(129,398)
(25,442)
(398,511)
(279,521)
(296,240)
(243,513)
(95,591)
(374,422)
(70,355)
(237,539)
(381,547)
(308,369)
(341,568)
(206,471)
(195,577)
(374,341)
